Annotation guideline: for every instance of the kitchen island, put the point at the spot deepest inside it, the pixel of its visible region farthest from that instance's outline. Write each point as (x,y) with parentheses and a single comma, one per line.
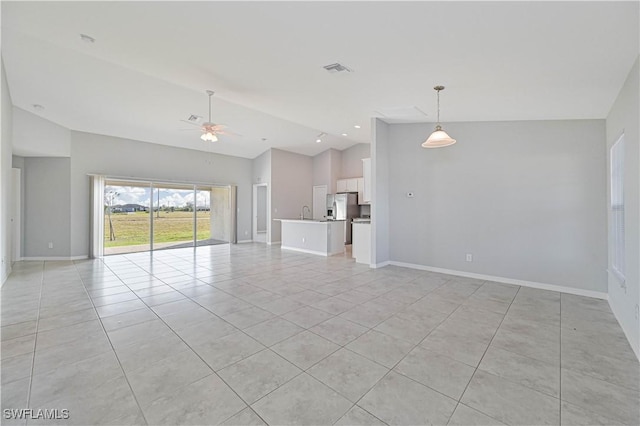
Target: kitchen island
(324,238)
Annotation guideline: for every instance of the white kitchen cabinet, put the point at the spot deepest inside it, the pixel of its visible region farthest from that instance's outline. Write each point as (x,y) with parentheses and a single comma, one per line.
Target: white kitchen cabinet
(347,185)
(361,244)
(360,191)
(366,176)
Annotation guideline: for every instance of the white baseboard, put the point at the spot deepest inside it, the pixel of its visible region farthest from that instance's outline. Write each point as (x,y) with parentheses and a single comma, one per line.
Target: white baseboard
(532,284)
(319,253)
(380,265)
(275,243)
(627,334)
(244,241)
(54,258)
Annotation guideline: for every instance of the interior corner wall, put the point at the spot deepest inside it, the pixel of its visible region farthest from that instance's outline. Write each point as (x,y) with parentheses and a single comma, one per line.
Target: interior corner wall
(46,205)
(527,199)
(352,160)
(37,137)
(326,169)
(292,183)
(624,117)
(6,147)
(380,174)
(125,158)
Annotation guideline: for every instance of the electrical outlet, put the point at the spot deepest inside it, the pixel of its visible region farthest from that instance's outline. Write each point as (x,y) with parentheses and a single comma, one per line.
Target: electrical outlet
(50,245)
(246,232)
(303,240)
(469,257)
(637,311)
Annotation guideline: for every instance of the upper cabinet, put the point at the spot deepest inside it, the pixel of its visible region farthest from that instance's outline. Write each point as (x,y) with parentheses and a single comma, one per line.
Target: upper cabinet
(361,185)
(366,177)
(347,185)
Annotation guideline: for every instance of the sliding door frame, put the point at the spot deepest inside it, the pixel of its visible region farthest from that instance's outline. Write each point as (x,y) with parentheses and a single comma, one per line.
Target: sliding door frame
(98,200)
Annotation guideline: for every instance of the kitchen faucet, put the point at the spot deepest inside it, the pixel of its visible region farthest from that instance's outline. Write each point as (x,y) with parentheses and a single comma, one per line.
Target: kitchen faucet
(302,213)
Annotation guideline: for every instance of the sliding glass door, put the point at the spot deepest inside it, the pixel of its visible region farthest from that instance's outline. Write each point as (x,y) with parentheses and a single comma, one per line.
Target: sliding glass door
(173,218)
(143,216)
(126,217)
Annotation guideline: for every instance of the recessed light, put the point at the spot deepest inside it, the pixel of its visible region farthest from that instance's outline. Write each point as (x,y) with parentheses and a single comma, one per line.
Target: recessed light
(38,107)
(357,126)
(318,140)
(344,134)
(87,39)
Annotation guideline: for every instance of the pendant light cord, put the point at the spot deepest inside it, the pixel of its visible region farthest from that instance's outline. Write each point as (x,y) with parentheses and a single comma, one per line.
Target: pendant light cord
(438,107)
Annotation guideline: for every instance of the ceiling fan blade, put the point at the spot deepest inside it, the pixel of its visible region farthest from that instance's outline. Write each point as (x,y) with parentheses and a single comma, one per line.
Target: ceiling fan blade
(229,133)
(189,130)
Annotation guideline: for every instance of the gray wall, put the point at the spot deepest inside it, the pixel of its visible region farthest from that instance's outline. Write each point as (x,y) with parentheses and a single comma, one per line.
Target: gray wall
(17,162)
(291,187)
(46,206)
(327,168)
(262,168)
(380,194)
(5,179)
(116,157)
(526,199)
(623,117)
(352,160)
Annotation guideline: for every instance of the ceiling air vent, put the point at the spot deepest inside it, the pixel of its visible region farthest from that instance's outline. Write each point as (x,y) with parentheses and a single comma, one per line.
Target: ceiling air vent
(337,67)
(194,118)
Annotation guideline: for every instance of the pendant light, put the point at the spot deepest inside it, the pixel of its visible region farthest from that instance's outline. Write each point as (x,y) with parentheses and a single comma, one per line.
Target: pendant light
(439,137)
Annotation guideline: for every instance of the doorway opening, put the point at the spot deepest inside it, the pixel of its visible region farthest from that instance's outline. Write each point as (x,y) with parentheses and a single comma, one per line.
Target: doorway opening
(261,221)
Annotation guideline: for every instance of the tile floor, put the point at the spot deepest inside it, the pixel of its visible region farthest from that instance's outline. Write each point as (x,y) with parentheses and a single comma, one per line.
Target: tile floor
(249,335)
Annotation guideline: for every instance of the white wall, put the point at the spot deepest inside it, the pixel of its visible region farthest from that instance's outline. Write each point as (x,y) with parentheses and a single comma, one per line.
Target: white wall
(526,199)
(624,117)
(380,193)
(5,178)
(46,206)
(291,187)
(35,136)
(116,157)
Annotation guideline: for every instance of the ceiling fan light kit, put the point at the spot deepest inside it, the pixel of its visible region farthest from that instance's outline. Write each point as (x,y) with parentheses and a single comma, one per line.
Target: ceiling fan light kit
(439,138)
(210,131)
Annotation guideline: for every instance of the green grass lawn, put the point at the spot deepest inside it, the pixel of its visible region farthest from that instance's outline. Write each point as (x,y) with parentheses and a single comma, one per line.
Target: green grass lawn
(133,228)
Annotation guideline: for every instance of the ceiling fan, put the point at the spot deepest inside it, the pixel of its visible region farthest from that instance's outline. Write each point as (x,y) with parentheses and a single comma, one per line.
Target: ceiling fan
(210,130)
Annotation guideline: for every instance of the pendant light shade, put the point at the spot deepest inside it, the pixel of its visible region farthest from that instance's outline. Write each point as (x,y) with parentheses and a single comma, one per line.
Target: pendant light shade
(439,137)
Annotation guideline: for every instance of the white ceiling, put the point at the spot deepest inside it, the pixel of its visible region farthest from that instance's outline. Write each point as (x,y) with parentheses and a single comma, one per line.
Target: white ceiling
(152,62)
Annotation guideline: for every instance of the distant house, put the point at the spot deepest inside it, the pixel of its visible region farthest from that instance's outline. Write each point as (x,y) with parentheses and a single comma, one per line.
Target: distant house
(129,208)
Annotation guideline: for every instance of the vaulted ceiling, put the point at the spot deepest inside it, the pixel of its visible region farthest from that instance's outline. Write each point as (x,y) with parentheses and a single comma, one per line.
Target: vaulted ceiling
(152,62)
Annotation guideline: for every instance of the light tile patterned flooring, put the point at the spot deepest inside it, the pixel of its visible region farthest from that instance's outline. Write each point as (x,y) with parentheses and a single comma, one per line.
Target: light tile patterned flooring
(255,335)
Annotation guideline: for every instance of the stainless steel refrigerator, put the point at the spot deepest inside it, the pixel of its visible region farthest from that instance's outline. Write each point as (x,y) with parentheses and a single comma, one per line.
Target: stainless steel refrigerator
(343,206)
